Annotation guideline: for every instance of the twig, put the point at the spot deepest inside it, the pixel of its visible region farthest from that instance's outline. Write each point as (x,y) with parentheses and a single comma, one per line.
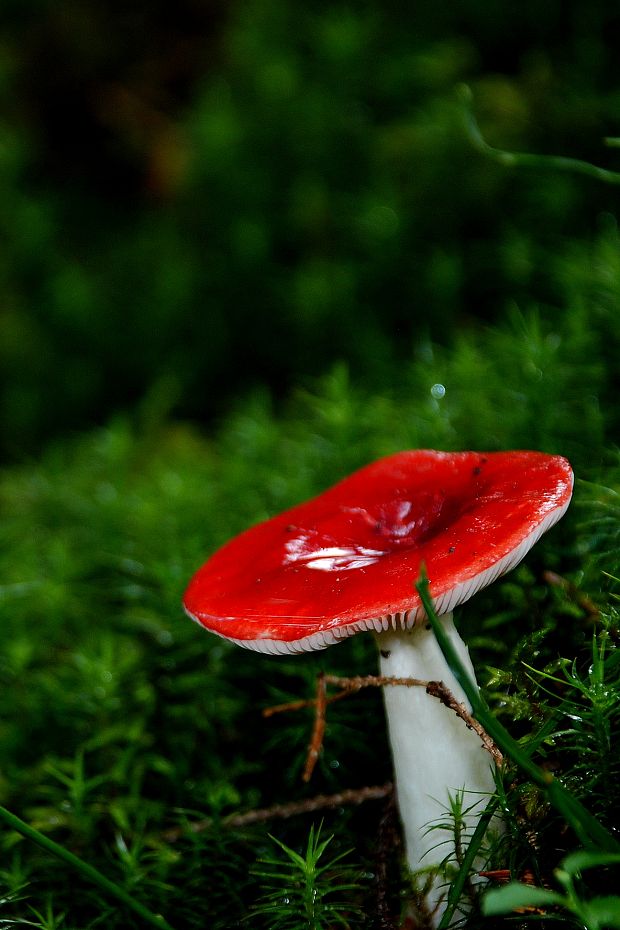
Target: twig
(348,686)
(299,705)
(438,689)
(435,689)
(318,730)
(503,876)
(284,811)
(355,683)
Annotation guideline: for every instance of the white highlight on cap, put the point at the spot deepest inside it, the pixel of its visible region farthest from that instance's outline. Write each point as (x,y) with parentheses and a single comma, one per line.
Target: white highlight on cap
(329,558)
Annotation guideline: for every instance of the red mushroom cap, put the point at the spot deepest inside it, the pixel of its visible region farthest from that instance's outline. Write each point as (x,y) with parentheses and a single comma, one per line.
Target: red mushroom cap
(348,559)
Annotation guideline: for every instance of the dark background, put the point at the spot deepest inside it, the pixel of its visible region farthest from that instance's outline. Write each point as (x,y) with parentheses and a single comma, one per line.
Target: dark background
(198,198)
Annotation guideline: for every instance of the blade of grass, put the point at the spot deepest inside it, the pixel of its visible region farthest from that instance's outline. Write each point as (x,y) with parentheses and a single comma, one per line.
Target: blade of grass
(586,826)
(87,871)
(529,159)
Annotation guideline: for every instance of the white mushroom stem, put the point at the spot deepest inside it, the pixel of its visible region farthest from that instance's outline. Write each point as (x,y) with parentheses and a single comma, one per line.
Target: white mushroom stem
(436,756)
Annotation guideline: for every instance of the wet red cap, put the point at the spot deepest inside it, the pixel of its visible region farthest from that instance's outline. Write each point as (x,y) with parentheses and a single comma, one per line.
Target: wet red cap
(348,560)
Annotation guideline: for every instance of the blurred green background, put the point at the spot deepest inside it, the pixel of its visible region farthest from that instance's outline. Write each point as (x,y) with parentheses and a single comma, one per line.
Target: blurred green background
(202,197)
(246,248)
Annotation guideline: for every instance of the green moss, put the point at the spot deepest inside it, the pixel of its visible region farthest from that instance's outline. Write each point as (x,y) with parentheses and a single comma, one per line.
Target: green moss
(121,717)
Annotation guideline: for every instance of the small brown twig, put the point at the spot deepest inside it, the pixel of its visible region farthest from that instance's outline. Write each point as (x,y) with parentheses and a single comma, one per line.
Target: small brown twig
(438,689)
(503,876)
(284,811)
(318,730)
(299,705)
(348,686)
(355,683)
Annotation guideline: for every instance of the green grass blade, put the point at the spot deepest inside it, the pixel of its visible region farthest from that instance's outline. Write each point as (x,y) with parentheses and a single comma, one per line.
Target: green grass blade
(589,830)
(528,159)
(87,871)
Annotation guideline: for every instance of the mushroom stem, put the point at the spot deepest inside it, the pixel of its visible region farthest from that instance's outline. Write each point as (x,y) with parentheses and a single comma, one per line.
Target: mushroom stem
(436,756)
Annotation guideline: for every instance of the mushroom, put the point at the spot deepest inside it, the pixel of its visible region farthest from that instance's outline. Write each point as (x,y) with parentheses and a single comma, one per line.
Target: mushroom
(347,561)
